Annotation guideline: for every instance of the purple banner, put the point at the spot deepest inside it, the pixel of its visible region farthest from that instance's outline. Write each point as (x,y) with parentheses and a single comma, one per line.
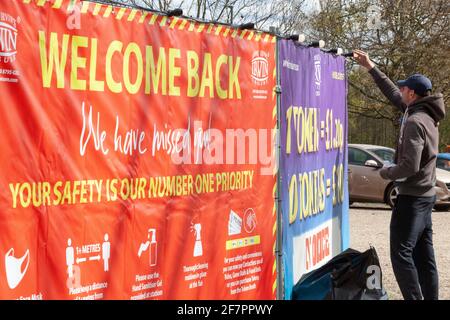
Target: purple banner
(313,162)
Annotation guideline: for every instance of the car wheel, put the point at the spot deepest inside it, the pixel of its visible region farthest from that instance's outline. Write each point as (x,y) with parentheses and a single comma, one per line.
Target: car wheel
(442,207)
(391,195)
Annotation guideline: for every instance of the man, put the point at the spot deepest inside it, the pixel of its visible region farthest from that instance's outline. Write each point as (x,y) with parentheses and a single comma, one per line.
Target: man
(70,258)
(411,244)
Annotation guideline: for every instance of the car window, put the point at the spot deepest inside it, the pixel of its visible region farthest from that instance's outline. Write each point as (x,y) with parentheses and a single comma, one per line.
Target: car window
(385,155)
(443,164)
(358,157)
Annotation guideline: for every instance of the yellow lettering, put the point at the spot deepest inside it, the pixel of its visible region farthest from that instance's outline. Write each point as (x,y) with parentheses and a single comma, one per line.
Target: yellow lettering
(233,77)
(174,71)
(57,193)
(155,73)
(192,71)
(288,130)
(94,84)
(132,48)
(222,93)
(207,81)
(115,46)
(54,59)
(293,199)
(77,62)
(14,193)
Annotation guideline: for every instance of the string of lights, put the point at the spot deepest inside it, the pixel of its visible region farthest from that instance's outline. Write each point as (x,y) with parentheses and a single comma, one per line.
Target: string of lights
(178,12)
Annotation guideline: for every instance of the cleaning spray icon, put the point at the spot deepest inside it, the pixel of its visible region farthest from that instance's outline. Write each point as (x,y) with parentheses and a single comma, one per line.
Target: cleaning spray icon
(198,248)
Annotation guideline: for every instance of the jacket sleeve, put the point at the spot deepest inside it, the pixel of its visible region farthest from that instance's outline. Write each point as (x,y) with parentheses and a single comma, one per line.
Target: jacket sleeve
(413,144)
(388,88)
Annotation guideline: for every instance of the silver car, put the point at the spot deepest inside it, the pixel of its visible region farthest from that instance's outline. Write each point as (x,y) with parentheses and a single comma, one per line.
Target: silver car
(366,184)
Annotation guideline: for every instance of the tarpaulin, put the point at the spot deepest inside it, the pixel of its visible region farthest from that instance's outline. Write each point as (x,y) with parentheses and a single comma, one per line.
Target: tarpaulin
(136,155)
(313,165)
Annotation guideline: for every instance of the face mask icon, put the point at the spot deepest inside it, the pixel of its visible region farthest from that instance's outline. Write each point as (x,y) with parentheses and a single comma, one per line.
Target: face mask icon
(14,273)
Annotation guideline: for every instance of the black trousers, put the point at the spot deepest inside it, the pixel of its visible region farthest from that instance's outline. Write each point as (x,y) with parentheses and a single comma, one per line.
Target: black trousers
(412,253)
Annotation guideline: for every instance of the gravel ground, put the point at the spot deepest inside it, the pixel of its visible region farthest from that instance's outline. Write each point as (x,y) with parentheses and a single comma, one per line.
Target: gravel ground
(369,225)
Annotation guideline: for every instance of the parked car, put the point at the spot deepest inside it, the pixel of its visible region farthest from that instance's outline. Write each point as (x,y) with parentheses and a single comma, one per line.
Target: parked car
(443,161)
(366,184)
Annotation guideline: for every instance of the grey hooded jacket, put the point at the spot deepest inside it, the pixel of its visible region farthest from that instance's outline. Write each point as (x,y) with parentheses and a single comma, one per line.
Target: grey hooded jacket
(418,144)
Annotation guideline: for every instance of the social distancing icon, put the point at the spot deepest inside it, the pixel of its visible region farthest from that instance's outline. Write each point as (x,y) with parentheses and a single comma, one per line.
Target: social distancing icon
(80,255)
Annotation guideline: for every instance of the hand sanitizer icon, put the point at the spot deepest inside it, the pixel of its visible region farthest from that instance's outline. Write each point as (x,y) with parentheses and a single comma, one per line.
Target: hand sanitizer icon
(153,248)
(198,248)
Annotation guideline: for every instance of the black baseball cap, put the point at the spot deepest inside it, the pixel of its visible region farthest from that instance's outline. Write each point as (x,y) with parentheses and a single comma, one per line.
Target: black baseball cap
(417,82)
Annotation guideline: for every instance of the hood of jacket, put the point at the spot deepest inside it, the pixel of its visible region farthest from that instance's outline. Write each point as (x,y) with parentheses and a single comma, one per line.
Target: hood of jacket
(433,105)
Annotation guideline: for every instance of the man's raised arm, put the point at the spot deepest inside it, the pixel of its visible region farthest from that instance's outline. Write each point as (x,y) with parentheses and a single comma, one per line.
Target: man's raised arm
(387,87)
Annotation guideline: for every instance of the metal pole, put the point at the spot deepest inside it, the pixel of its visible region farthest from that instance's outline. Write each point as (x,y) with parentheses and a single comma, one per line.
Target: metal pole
(230,14)
(279,243)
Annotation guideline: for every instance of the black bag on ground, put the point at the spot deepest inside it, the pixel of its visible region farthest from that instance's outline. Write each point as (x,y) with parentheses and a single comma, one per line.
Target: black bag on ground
(351,275)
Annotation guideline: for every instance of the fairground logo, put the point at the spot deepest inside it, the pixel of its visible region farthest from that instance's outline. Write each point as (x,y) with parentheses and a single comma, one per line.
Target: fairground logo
(260,67)
(8,38)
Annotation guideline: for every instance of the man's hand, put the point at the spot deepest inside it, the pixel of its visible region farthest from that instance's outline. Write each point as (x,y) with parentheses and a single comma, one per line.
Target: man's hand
(363,59)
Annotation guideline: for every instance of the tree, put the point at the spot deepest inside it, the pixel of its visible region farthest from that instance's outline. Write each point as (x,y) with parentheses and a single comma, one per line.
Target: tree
(401,36)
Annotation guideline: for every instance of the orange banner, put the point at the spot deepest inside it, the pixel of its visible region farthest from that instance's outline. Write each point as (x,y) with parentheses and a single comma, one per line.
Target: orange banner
(137,155)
